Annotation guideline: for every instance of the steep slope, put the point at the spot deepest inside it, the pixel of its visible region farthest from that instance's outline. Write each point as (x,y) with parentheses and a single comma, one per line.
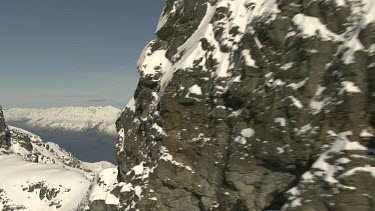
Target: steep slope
(94,120)
(41,176)
(252,105)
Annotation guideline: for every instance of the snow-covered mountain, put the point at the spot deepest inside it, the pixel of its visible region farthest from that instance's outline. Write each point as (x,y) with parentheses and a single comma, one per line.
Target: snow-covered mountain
(35,175)
(94,120)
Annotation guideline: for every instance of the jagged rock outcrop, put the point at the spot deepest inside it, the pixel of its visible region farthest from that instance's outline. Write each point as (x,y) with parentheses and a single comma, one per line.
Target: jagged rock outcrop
(4,132)
(252,105)
(2,128)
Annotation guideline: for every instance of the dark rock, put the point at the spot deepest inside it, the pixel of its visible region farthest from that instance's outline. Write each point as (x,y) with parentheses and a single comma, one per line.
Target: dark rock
(251,115)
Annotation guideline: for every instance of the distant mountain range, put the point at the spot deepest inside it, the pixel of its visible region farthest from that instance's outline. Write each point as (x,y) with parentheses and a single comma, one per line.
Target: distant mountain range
(94,120)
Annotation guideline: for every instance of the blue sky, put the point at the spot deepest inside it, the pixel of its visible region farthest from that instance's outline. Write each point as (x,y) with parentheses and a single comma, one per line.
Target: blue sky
(56,53)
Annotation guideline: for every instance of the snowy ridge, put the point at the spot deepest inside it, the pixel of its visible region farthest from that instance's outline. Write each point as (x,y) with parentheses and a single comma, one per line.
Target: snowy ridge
(55,180)
(100,120)
(48,152)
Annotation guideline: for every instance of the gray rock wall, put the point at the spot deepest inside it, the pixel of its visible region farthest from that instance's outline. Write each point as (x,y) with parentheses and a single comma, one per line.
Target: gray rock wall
(3,130)
(252,105)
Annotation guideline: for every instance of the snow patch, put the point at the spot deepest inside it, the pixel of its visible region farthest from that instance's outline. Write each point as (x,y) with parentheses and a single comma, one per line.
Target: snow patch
(247,133)
(311,26)
(281,121)
(350,87)
(197,90)
(296,102)
(248,59)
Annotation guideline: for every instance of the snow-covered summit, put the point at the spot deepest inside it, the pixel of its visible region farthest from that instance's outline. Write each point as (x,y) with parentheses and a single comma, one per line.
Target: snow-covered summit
(100,120)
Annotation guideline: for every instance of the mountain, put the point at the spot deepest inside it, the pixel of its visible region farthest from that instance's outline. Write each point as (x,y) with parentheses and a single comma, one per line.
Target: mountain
(92,120)
(41,176)
(251,105)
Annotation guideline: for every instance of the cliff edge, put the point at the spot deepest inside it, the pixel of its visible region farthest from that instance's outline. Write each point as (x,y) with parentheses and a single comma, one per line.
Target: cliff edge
(252,105)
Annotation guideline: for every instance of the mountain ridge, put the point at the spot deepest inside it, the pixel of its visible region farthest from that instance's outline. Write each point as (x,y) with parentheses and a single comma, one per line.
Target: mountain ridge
(97,120)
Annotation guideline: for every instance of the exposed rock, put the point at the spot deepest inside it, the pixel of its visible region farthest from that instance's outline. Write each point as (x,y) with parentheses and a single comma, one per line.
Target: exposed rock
(252,105)
(4,132)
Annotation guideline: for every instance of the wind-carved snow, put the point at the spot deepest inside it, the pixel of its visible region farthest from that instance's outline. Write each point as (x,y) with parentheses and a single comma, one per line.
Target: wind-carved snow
(74,119)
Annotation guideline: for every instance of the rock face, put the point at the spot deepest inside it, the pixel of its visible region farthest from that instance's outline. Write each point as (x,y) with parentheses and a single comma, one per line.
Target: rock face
(252,105)
(4,133)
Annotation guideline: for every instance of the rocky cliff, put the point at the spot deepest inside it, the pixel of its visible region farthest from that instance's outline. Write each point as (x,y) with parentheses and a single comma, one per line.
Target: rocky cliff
(252,105)
(3,131)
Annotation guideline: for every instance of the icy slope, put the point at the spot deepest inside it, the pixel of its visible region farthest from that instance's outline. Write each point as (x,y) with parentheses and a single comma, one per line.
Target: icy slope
(100,120)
